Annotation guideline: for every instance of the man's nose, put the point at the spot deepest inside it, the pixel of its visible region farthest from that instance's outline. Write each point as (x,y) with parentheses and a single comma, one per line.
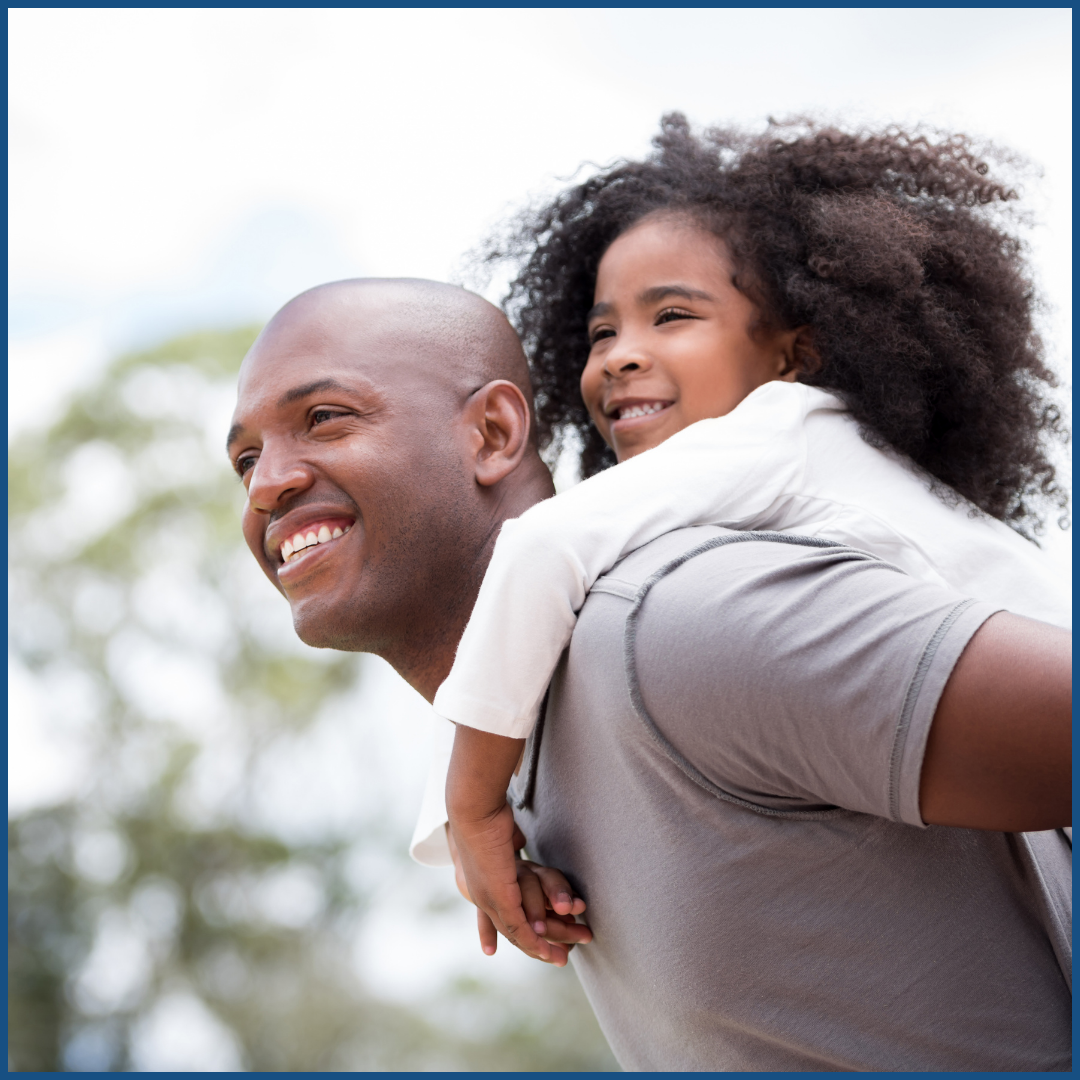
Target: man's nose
(276,477)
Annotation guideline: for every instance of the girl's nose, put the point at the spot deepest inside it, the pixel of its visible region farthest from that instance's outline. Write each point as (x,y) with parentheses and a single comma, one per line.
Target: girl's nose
(627,354)
(615,367)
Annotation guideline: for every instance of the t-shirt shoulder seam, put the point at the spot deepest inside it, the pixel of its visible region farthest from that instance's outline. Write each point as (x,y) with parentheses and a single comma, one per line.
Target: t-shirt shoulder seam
(911,699)
(615,586)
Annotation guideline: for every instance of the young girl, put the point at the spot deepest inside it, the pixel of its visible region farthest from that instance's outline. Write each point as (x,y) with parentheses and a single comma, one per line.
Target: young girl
(810,332)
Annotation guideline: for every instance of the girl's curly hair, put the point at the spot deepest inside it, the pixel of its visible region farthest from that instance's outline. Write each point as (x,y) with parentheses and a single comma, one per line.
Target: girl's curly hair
(920,304)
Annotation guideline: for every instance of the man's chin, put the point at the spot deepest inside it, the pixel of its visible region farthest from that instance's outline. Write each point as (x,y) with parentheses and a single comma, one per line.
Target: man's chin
(321,627)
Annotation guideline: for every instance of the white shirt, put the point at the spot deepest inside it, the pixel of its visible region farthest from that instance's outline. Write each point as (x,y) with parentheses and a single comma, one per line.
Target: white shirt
(788,458)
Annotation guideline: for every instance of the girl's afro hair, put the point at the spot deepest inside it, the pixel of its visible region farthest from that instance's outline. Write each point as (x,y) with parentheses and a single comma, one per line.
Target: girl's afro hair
(887,245)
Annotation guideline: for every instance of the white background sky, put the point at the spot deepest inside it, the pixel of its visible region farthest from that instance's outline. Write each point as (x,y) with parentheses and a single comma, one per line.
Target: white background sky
(177,168)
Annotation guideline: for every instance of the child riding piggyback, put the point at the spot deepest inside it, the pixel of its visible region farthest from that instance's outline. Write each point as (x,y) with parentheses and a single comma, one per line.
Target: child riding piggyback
(805,333)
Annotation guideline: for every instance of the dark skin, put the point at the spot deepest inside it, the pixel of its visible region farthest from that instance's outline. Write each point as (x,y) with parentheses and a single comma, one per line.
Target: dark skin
(999,754)
(348,418)
(353,410)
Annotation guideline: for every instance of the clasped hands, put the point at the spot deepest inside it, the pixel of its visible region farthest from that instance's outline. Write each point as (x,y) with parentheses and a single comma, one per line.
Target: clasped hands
(532,906)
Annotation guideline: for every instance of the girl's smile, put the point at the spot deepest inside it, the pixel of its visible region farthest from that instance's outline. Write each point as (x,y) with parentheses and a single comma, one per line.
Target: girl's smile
(672,339)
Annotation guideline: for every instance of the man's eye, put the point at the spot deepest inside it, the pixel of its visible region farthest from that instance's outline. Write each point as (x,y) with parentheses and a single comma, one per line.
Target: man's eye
(320,416)
(244,463)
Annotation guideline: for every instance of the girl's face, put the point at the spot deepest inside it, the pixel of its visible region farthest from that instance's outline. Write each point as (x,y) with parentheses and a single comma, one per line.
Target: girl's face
(672,339)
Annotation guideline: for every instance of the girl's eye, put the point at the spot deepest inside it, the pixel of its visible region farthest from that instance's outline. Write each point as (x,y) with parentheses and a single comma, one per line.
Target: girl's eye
(603,332)
(668,314)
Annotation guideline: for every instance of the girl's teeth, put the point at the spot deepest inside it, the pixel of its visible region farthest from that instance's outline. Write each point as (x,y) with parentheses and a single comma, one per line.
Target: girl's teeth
(639,410)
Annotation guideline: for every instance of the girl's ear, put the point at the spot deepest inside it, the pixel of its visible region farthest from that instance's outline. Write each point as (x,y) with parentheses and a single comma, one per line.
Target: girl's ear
(499,423)
(800,354)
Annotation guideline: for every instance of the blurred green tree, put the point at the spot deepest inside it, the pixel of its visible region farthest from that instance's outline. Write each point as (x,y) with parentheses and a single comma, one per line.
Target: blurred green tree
(154,920)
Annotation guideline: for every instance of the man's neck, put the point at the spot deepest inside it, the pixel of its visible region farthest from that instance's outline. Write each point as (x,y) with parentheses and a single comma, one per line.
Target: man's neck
(423,658)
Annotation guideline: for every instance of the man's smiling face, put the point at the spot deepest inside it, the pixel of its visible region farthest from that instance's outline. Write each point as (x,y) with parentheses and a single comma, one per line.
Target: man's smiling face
(358,496)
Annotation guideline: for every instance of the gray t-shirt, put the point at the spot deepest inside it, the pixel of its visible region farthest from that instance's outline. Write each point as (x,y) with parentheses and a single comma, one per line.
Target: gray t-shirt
(728,771)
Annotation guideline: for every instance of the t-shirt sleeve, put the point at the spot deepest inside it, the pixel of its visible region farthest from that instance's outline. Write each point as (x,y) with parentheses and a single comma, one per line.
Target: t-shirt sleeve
(429,845)
(798,678)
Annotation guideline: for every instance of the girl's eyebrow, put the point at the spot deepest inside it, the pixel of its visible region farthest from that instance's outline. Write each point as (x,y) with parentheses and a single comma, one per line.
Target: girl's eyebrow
(651,296)
(660,292)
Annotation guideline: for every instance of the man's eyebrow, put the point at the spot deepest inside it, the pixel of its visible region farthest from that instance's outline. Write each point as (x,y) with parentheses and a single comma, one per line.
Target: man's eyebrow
(298,392)
(295,394)
(234,434)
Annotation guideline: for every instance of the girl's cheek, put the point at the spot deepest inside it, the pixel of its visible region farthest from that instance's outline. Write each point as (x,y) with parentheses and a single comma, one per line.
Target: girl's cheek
(587,385)
(591,394)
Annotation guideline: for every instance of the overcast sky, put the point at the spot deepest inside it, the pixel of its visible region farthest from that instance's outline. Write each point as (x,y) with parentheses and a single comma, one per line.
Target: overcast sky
(182,168)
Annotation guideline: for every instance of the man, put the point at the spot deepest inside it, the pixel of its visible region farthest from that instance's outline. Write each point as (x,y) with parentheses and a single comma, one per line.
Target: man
(743,744)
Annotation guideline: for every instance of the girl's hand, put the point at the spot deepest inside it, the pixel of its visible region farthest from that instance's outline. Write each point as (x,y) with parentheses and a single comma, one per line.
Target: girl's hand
(546,899)
(489,864)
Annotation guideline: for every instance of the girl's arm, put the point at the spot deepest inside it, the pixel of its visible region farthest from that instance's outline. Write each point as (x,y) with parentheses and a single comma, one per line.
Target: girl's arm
(723,471)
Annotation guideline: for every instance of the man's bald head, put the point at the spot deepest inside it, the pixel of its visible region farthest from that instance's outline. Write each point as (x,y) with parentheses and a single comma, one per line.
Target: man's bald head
(451,336)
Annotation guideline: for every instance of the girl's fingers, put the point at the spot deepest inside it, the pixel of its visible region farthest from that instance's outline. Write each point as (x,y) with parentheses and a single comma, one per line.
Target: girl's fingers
(558,891)
(489,938)
(564,930)
(532,899)
(561,938)
(559,956)
(508,915)
(519,933)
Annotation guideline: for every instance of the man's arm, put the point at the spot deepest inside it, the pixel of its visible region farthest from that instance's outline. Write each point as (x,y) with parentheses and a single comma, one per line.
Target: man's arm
(999,751)
(797,678)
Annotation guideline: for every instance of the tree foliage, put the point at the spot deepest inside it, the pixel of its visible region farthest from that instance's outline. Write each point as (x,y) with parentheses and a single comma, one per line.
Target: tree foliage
(151,892)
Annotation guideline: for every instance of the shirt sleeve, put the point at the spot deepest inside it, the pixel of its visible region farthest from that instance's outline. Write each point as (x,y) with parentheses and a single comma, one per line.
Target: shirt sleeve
(722,471)
(429,846)
(799,679)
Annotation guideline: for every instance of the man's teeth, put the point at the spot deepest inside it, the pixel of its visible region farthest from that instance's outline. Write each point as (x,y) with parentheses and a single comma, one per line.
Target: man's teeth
(631,411)
(300,541)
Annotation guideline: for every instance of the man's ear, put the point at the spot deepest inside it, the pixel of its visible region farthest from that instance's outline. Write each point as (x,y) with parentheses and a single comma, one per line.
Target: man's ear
(800,355)
(499,421)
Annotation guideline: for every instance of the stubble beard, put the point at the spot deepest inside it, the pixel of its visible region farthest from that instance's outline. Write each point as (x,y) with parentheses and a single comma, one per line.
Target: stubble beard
(413,600)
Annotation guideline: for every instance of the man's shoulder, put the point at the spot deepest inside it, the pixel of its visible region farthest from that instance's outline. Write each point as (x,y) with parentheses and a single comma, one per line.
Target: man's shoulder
(630,573)
(820,664)
(683,549)
(716,590)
